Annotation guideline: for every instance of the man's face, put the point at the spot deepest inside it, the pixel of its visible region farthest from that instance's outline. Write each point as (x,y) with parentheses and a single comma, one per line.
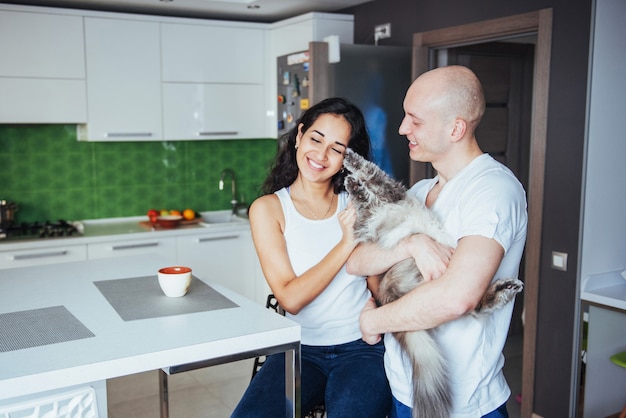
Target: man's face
(423,123)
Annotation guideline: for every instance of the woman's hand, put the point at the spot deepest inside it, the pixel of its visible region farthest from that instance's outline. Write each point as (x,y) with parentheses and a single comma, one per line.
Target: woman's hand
(346,218)
(431,257)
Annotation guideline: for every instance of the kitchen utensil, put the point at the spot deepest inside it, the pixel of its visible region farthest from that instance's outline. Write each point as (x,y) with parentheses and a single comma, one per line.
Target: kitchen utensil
(7,212)
(169,221)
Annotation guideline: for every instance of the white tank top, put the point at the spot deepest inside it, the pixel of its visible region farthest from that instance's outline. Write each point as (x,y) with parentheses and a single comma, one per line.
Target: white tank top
(333,317)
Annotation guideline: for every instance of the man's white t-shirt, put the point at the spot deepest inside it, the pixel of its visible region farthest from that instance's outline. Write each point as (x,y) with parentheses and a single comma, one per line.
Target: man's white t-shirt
(483,199)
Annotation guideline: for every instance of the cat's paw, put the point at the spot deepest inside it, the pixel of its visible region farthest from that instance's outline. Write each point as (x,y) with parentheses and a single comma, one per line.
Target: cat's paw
(499,293)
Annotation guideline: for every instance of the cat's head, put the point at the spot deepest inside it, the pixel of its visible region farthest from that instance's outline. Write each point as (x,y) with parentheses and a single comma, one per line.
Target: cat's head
(356,177)
(367,184)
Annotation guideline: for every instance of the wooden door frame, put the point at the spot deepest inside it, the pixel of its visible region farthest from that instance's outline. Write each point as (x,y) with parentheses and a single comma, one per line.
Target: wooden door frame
(539,23)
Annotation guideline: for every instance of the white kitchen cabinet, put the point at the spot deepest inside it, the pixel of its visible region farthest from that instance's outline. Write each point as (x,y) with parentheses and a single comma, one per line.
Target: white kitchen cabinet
(213,78)
(42,70)
(37,256)
(165,246)
(123,80)
(213,111)
(213,53)
(293,35)
(225,257)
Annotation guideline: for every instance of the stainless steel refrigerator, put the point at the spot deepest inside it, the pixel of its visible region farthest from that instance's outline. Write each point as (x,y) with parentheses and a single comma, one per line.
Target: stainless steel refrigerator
(375,78)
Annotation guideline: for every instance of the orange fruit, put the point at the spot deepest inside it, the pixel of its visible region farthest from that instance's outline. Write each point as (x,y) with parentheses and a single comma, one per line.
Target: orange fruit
(189,214)
(175,212)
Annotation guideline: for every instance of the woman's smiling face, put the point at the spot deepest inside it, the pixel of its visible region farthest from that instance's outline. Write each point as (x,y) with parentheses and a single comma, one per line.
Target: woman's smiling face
(321,148)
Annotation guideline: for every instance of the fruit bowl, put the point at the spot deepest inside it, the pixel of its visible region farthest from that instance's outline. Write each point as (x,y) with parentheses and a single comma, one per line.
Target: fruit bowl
(169,221)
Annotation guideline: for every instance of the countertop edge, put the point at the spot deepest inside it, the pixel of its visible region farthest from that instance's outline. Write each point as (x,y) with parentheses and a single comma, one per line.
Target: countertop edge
(218,228)
(596,286)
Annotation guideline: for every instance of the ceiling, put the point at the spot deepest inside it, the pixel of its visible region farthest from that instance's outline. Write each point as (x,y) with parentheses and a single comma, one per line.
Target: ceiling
(244,10)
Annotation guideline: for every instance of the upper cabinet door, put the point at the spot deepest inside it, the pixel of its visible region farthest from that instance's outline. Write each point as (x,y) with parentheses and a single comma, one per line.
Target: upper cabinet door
(213,111)
(123,80)
(212,54)
(38,45)
(42,68)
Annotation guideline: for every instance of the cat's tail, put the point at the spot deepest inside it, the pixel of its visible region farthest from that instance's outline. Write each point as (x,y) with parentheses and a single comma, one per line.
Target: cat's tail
(431,389)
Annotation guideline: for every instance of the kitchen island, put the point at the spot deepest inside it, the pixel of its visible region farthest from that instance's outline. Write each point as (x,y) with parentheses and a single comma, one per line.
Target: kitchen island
(111,338)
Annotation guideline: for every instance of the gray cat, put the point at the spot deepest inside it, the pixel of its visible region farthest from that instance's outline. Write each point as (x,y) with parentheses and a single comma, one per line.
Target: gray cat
(385,215)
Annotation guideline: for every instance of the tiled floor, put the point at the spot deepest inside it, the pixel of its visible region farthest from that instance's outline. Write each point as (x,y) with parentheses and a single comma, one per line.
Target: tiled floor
(214,392)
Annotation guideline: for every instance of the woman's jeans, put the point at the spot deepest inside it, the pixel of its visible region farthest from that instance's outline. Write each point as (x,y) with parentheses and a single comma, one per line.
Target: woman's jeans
(349,379)
(400,410)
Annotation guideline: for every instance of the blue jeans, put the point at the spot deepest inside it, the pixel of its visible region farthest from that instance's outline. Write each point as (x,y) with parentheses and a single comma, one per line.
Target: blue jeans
(400,410)
(348,378)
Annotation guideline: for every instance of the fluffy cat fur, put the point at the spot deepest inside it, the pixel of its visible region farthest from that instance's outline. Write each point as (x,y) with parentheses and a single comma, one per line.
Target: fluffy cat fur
(385,215)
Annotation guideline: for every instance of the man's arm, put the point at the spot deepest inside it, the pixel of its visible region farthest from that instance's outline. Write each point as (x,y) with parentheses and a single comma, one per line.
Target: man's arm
(454,294)
(430,257)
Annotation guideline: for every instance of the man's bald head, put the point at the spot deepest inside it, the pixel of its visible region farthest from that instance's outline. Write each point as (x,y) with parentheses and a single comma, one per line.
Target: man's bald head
(455,91)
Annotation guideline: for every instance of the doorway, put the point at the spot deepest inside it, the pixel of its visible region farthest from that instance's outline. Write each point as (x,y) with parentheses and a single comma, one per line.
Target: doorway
(505,69)
(537,24)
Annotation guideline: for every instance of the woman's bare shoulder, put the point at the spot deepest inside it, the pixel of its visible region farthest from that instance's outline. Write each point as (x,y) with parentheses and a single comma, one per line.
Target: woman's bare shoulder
(266,208)
(266,216)
(264,203)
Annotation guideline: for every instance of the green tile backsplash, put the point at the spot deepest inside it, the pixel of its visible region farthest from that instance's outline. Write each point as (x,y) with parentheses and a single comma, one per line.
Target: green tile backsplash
(51,175)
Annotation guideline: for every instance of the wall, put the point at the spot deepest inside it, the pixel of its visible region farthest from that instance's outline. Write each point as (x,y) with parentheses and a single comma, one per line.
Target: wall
(603,235)
(604,222)
(53,176)
(556,353)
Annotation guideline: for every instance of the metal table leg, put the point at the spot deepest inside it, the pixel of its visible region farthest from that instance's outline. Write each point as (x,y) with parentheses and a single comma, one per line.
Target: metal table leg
(292,382)
(292,374)
(163,394)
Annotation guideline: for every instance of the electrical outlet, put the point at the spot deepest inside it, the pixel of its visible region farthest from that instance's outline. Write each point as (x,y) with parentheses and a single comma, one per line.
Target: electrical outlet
(382,31)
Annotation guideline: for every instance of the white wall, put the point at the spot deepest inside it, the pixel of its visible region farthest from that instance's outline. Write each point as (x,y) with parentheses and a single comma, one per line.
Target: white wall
(603,240)
(603,245)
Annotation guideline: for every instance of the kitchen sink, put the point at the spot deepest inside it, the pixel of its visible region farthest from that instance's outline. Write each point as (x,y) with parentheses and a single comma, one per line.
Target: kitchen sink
(221,217)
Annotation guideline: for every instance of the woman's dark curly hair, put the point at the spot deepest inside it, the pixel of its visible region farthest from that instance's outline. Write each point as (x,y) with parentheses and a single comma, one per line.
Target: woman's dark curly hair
(285,168)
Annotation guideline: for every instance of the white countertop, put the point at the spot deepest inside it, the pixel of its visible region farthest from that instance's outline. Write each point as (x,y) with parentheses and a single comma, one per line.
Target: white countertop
(122,347)
(125,228)
(605,289)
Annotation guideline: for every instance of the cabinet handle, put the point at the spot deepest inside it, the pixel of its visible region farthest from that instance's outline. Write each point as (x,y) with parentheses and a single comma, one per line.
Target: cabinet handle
(40,255)
(207,239)
(214,133)
(131,246)
(124,134)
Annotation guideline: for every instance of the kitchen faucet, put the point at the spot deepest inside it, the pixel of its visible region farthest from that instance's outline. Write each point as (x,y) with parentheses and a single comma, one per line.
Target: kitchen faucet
(233,200)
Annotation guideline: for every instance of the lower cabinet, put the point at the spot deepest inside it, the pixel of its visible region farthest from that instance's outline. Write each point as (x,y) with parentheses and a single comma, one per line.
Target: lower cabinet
(160,246)
(42,256)
(226,258)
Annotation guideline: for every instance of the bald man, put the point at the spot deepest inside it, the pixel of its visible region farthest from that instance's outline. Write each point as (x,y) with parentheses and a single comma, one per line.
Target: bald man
(482,205)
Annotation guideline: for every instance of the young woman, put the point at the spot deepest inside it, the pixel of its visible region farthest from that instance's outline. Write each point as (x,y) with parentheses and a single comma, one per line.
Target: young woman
(302,232)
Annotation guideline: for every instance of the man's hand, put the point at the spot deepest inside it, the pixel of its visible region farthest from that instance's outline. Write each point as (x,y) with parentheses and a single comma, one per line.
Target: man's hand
(369,338)
(431,257)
